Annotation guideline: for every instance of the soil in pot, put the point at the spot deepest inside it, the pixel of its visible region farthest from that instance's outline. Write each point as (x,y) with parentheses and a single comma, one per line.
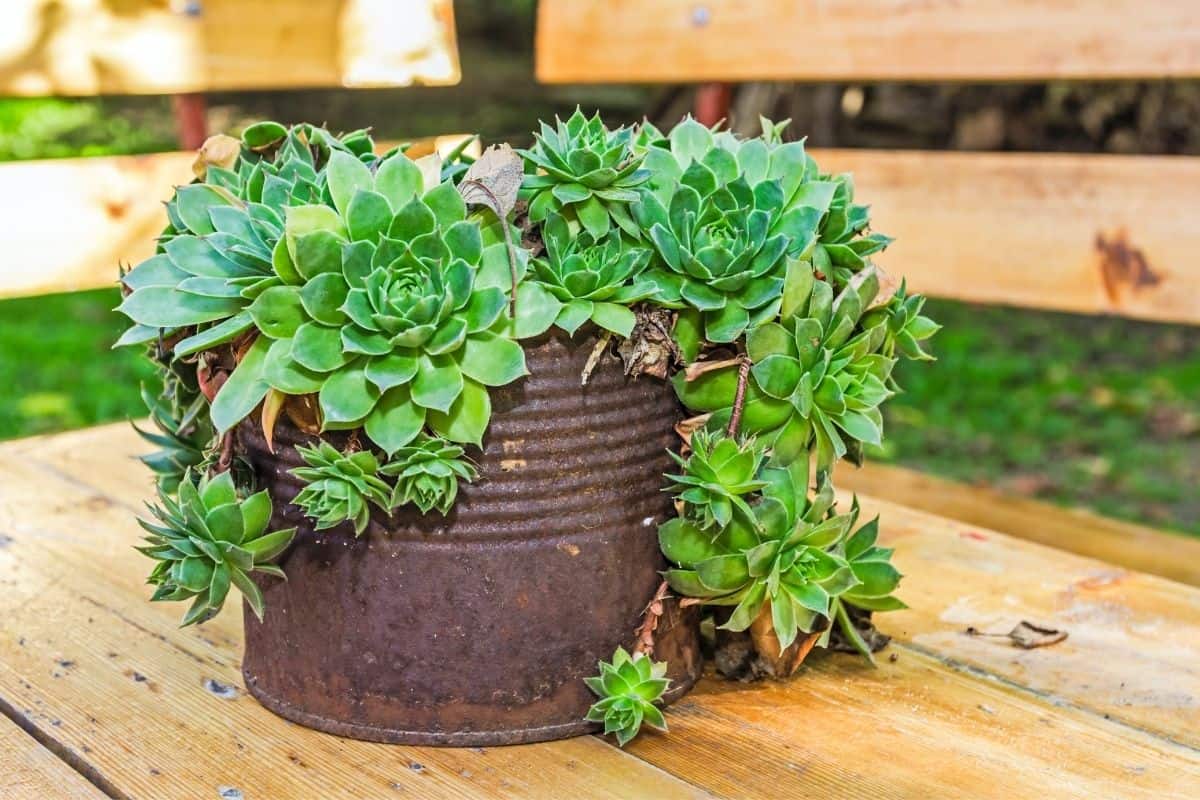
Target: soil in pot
(478,628)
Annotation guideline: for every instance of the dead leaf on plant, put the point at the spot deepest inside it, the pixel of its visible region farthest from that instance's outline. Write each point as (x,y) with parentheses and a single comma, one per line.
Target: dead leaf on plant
(698,368)
(493,180)
(1025,635)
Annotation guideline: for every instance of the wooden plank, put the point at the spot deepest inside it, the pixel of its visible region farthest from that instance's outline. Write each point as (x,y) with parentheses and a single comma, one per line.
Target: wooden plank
(1083,233)
(1133,646)
(28,770)
(938,730)
(86,47)
(618,41)
(1076,530)
(78,218)
(1131,634)
(87,662)
(911,729)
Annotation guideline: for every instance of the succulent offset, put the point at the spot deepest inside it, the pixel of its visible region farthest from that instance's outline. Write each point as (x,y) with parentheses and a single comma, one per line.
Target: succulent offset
(785,561)
(340,486)
(715,479)
(595,280)
(207,539)
(816,375)
(427,473)
(628,688)
(587,173)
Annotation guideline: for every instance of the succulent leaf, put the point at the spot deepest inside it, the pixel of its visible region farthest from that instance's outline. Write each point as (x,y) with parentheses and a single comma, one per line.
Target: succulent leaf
(340,486)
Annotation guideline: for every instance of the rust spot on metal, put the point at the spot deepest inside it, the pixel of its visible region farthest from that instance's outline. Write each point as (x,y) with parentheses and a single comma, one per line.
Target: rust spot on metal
(1123,267)
(509,464)
(482,630)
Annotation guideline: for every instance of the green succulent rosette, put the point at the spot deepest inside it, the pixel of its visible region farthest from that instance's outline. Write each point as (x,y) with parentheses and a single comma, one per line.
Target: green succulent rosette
(340,486)
(725,216)
(207,538)
(816,377)
(216,254)
(877,580)
(382,311)
(716,478)
(628,688)
(427,473)
(583,171)
(594,280)
(787,558)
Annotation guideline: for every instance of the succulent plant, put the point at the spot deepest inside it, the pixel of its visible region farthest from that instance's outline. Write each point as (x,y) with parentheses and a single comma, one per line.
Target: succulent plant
(817,376)
(785,559)
(589,173)
(715,479)
(340,486)
(877,580)
(628,688)
(382,310)
(427,473)
(594,280)
(184,434)
(843,244)
(217,253)
(724,216)
(206,540)
(905,327)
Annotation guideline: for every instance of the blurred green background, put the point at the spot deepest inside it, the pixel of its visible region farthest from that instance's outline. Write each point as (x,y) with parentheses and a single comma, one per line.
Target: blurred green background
(1091,411)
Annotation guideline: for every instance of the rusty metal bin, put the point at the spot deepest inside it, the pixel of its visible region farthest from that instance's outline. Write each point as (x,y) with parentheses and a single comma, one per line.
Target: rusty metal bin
(478,628)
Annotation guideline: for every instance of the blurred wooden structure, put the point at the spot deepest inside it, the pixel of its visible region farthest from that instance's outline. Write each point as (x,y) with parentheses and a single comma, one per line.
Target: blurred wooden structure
(113,205)
(87,47)
(1082,233)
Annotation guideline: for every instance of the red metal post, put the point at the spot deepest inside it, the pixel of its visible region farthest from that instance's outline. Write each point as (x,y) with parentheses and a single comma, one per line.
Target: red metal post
(712,102)
(190,119)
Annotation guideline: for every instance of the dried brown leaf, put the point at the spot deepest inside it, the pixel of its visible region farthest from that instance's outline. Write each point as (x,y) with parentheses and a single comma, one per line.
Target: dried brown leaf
(697,368)
(1025,635)
(218,151)
(494,180)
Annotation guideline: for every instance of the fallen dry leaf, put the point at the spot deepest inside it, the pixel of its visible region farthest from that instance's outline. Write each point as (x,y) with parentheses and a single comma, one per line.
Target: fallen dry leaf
(1025,635)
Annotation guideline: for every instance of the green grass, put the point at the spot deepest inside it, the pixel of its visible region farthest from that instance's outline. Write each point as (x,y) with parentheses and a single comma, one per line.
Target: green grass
(57,368)
(53,128)
(1092,411)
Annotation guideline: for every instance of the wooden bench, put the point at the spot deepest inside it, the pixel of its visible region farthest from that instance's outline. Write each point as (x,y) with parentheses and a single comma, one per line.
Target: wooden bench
(102,695)
(1096,234)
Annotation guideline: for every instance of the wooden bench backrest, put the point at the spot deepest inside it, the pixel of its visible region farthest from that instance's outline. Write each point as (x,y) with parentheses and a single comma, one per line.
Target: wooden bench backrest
(68,223)
(1084,233)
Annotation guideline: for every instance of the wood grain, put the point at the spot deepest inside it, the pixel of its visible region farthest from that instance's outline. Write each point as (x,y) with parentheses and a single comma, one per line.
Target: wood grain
(29,771)
(616,41)
(1133,646)
(1076,530)
(1083,233)
(87,661)
(951,717)
(78,218)
(86,47)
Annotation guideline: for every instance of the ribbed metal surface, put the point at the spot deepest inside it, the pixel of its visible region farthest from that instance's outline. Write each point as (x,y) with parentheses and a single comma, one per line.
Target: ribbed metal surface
(477,628)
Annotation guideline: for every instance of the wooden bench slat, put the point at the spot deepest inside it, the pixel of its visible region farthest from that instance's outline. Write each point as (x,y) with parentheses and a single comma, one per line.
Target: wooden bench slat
(1095,234)
(131,694)
(1083,233)
(940,726)
(29,770)
(617,41)
(78,218)
(1075,530)
(85,47)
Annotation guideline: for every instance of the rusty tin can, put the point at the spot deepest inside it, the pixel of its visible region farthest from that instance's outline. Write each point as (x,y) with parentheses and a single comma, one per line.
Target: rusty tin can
(478,628)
